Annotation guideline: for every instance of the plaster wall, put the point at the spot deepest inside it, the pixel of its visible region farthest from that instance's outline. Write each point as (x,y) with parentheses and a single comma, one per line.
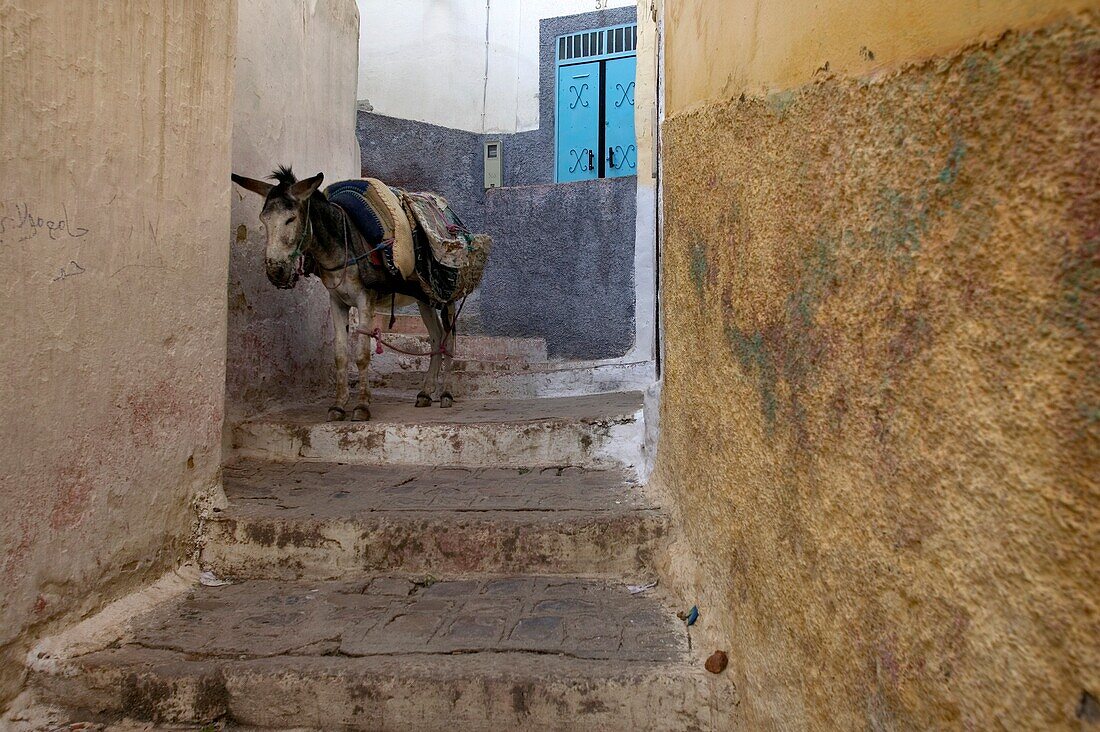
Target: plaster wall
(295,105)
(468,65)
(114,137)
(879,416)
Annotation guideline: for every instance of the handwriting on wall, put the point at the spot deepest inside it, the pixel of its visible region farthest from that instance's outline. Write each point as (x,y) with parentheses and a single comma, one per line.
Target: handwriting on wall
(72,269)
(22,222)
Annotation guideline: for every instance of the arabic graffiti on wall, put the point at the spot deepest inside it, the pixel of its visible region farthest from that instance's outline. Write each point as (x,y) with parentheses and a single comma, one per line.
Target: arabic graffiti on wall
(20,222)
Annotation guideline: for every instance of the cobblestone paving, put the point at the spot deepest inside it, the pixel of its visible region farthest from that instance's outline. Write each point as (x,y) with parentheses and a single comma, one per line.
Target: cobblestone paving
(586,619)
(324,490)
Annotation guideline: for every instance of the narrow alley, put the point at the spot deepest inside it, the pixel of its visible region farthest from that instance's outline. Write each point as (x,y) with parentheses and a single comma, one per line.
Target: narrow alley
(578,365)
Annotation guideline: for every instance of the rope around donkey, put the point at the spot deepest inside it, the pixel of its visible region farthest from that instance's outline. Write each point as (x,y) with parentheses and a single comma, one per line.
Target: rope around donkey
(376,334)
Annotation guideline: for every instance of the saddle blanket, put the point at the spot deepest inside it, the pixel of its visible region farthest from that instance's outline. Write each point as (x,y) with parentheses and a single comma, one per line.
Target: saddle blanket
(416,236)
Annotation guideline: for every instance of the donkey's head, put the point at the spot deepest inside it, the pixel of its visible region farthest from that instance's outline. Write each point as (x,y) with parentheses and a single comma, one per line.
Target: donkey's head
(285,217)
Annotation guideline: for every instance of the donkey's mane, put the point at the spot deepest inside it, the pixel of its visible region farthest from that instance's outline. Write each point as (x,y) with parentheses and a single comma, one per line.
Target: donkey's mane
(285,175)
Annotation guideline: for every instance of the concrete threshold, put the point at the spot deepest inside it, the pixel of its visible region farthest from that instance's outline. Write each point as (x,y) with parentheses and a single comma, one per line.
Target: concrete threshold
(599,431)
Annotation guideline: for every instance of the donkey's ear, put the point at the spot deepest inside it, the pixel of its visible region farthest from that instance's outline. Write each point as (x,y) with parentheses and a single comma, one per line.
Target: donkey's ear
(303,189)
(251,184)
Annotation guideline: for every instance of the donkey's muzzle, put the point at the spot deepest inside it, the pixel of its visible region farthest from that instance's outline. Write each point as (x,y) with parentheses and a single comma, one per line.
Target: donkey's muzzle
(283,275)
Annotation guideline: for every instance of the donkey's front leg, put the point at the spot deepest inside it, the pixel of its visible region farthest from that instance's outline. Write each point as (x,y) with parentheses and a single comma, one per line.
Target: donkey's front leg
(339,312)
(365,306)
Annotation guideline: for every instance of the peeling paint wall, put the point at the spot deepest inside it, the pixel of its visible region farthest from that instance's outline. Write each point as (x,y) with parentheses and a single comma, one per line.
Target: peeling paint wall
(114,136)
(294,104)
(880,411)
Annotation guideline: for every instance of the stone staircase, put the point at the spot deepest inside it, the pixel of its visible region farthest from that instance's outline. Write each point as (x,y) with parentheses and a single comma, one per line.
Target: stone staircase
(461,569)
(492,367)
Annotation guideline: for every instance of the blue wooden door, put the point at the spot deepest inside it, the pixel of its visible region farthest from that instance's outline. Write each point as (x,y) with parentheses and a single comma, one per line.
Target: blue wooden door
(578,122)
(620,149)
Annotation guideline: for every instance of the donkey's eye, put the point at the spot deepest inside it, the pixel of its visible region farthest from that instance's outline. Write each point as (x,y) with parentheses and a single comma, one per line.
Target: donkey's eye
(291,219)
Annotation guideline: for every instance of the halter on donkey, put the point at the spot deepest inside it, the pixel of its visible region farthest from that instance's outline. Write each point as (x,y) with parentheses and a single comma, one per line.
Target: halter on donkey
(371,245)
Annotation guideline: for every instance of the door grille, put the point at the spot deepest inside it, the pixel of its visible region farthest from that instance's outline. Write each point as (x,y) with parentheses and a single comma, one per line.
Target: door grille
(603,43)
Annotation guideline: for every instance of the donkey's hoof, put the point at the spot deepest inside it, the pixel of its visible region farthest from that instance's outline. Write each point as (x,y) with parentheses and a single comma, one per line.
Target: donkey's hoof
(446,400)
(361,413)
(423,399)
(336,414)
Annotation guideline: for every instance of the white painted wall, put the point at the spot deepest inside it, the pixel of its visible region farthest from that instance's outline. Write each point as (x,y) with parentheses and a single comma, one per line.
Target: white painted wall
(426,59)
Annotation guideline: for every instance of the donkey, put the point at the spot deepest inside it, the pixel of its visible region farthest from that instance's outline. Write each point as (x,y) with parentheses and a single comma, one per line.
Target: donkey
(308,235)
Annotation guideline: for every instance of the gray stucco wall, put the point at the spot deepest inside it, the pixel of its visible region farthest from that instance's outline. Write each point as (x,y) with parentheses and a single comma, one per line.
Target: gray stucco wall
(424,157)
(562,266)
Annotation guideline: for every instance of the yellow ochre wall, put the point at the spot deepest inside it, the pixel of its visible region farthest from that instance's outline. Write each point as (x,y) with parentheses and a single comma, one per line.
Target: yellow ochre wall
(717,49)
(880,420)
(114,208)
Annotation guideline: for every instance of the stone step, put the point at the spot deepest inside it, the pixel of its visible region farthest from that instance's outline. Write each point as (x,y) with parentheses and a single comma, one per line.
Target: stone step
(326,520)
(388,653)
(509,380)
(476,348)
(597,431)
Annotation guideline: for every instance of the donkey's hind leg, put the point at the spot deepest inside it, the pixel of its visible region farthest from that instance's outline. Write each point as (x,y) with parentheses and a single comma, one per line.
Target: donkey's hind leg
(448,323)
(435,334)
(339,312)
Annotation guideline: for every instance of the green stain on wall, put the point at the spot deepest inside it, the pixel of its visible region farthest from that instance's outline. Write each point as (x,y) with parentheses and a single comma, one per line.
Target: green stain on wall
(790,351)
(699,266)
(899,225)
(902,220)
(780,101)
(748,348)
(754,356)
(818,275)
(1081,285)
(981,71)
(950,172)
